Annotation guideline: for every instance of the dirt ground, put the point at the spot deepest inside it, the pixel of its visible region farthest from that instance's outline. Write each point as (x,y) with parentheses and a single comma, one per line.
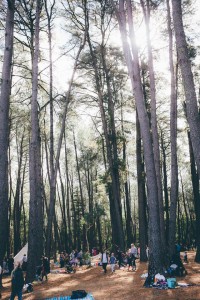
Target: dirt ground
(123,284)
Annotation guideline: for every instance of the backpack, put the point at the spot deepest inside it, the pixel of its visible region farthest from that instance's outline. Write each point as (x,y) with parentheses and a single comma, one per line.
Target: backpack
(78,294)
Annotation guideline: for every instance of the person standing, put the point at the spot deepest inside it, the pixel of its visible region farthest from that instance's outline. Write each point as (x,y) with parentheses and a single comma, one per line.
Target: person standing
(45,268)
(17,280)
(10,263)
(24,263)
(104,260)
(134,256)
(119,257)
(62,260)
(129,256)
(185,259)
(112,262)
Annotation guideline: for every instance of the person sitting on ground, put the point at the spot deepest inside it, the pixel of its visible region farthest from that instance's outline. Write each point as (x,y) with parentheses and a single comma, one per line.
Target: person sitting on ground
(176,260)
(87,258)
(80,257)
(17,280)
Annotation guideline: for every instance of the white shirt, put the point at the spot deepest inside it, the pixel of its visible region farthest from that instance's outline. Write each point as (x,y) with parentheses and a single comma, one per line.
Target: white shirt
(104,258)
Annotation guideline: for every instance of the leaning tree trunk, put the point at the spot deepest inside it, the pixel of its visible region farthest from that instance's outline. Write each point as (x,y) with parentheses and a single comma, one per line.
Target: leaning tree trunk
(4,125)
(132,61)
(54,178)
(51,147)
(193,117)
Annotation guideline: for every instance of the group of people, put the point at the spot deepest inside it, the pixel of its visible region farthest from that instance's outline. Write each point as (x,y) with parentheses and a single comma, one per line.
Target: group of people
(75,258)
(124,259)
(16,270)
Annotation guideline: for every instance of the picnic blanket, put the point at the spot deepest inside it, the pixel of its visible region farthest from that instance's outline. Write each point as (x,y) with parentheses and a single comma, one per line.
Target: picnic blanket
(88,297)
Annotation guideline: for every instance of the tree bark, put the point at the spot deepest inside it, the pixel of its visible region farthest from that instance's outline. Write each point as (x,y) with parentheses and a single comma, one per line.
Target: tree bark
(142,201)
(173,139)
(132,61)
(35,237)
(114,194)
(196,194)
(4,125)
(154,126)
(193,117)
(17,202)
(53,180)
(165,185)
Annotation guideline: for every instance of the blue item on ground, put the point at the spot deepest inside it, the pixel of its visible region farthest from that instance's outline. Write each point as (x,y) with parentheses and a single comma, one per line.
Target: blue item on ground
(171,282)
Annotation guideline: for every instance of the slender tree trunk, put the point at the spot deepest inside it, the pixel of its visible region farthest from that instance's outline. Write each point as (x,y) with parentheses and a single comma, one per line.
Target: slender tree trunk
(63,204)
(17,204)
(141,195)
(115,202)
(53,180)
(22,203)
(165,185)
(81,195)
(154,126)
(196,194)
(129,221)
(68,206)
(179,220)
(4,125)
(35,237)
(186,217)
(51,150)
(155,249)
(173,139)
(193,117)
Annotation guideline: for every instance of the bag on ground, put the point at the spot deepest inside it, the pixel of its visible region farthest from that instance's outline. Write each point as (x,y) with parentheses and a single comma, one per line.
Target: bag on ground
(78,294)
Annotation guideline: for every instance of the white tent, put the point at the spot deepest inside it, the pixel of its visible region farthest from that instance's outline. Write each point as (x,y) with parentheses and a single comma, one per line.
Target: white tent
(20,254)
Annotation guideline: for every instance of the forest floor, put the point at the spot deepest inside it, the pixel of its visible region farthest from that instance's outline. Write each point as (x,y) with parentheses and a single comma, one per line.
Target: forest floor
(122,284)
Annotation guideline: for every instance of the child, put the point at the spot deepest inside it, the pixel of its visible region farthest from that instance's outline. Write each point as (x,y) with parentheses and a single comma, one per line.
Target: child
(185,257)
(112,262)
